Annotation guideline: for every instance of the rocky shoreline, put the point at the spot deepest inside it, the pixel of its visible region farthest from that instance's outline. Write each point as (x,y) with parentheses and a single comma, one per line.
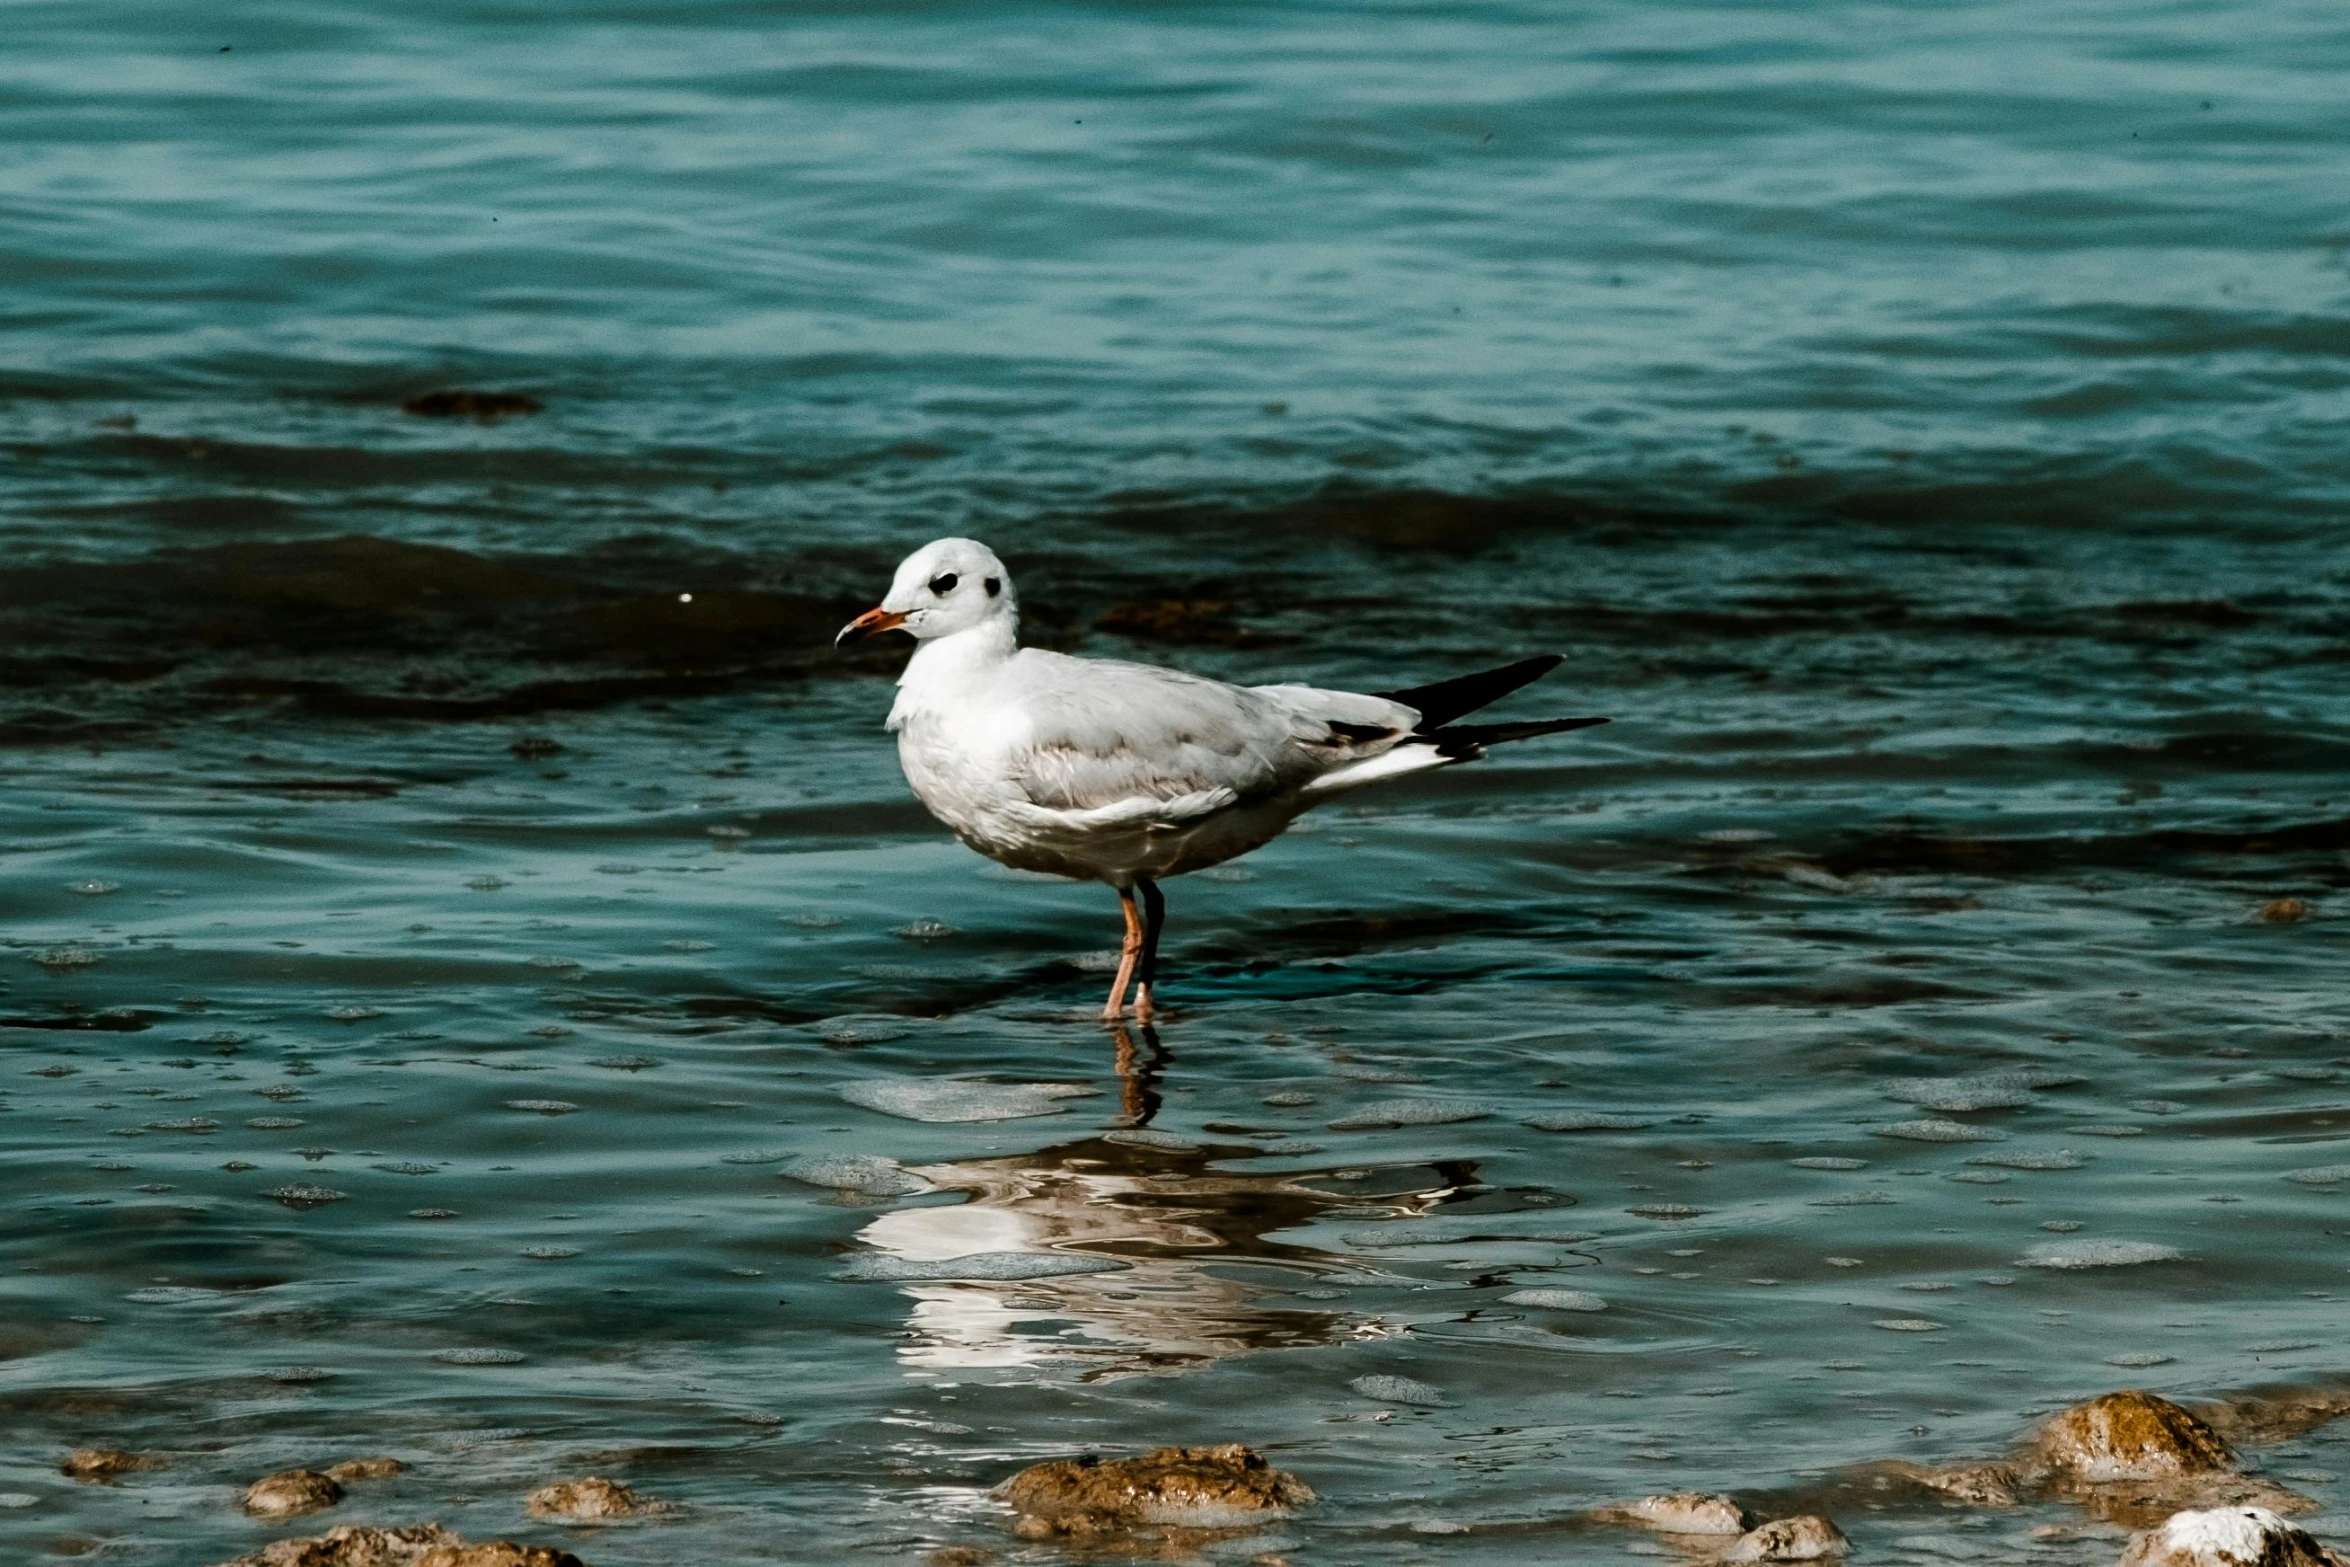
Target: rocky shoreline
(2174,1475)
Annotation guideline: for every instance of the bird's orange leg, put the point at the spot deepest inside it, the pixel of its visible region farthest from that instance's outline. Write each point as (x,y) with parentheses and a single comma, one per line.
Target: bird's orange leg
(1128,957)
(1146,972)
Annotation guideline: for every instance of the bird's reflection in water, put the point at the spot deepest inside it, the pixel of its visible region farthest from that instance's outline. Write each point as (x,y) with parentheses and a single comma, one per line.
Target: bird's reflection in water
(1203,1280)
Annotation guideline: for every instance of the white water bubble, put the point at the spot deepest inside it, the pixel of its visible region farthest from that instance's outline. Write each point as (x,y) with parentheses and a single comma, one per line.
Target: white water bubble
(172,1295)
(2050,1159)
(949,1100)
(542,1106)
(982,1265)
(1937,1131)
(1907,1325)
(1585,1121)
(1961,1095)
(1855,1200)
(869,1175)
(1401,1390)
(1827,1162)
(304,1195)
(1555,1300)
(2320,1175)
(756,1156)
(1150,1137)
(1409,1112)
(479,1357)
(2107,1130)
(1455,1230)
(2097,1254)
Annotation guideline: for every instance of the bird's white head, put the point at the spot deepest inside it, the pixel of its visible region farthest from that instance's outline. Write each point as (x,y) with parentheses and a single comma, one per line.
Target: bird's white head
(946,586)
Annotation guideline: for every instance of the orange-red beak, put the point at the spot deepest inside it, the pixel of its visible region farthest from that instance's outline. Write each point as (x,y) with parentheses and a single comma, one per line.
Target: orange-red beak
(870,623)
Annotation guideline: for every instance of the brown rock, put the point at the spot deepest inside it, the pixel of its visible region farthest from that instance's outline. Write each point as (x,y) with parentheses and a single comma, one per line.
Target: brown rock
(1681,1512)
(414,1545)
(958,1556)
(592,1500)
(1199,1488)
(2227,1537)
(351,1469)
(2130,1436)
(2284,911)
(96,1465)
(1804,1539)
(291,1492)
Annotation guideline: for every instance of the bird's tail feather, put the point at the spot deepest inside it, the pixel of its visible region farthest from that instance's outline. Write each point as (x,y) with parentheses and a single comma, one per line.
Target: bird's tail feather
(1445,700)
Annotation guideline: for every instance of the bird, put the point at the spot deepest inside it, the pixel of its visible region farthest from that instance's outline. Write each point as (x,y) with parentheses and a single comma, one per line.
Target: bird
(1103,770)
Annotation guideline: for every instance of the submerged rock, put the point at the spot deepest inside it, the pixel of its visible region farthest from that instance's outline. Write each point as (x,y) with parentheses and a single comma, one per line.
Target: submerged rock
(351,1469)
(2130,1436)
(97,1465)
(592,1500)
(1808,1538)
(2227,1537)
(291,1492)
(413,1545)
(1982,1485)
(465,403)
(1182,1488)
(1681,1512)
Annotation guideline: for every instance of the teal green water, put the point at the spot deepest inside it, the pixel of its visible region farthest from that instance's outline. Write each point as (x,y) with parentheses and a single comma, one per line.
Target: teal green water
(1920,429)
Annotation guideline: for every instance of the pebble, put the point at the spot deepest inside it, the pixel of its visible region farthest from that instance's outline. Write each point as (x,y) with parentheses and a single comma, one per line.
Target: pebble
(2226,1537)
(96,1465)
(290,1493)
(2130,1435)
(594,1499)
(412,1545)
(1806,1538)
(1194,1488)
(1681,1512)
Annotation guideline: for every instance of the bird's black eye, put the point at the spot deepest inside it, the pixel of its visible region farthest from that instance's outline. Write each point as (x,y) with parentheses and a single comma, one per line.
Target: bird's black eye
(995,586)
(943,583)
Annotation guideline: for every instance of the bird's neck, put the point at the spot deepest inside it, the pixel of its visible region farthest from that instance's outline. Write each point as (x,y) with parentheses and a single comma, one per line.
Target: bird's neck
(943,666)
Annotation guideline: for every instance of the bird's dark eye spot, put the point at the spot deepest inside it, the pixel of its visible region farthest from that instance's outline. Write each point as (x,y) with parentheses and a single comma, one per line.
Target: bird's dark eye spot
(995,585)
(943,583)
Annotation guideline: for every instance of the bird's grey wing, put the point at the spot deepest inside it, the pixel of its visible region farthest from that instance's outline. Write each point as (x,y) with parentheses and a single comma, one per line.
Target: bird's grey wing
(1130,740)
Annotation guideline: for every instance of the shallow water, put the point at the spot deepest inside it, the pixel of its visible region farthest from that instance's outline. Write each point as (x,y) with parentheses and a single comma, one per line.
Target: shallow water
(1920,431)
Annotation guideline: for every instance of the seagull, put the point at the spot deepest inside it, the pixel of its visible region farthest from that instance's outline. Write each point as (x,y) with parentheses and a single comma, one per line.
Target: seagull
(1125,773)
